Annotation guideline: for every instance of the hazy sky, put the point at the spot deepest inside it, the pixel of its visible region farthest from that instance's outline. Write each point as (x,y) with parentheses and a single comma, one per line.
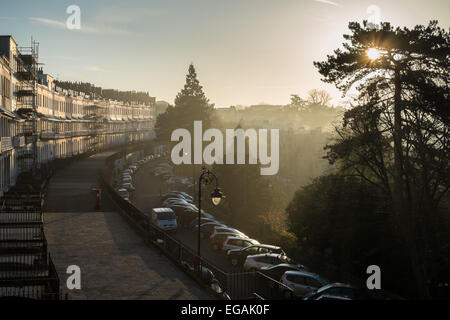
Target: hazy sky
(245,51)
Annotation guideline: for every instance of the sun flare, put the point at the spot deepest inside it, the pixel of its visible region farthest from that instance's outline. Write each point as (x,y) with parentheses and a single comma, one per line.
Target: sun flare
(373,53)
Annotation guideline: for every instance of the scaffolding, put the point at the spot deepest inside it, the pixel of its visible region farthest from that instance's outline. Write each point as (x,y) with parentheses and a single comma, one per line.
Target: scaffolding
(26,97)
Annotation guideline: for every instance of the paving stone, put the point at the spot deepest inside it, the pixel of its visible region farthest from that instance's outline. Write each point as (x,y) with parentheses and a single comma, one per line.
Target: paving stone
(115,262)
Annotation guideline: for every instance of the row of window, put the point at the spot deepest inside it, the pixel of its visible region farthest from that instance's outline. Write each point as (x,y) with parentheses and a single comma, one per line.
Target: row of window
(71,108)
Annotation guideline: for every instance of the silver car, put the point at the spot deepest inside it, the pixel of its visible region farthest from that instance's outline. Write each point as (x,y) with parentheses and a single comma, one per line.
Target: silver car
(237,242)
(257,261)
(302,282)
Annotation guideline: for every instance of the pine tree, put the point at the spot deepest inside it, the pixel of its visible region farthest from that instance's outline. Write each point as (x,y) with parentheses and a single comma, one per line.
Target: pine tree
(397,136)
(191,103)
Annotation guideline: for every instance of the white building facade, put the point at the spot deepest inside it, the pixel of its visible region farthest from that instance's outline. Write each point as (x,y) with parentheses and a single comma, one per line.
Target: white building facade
(40,122)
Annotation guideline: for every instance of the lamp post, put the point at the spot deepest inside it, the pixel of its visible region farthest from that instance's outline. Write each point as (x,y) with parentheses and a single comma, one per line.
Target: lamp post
(216,196)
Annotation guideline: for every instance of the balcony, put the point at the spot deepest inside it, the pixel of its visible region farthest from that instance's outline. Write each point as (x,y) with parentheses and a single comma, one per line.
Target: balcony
(18,141)
(60,135)
(47,135)
(6,144)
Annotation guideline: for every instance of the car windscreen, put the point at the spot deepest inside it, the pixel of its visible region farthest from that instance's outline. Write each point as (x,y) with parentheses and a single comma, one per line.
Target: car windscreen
(165,216)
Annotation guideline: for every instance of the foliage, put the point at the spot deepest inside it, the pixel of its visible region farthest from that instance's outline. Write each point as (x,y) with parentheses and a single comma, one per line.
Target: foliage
(191,104)
(396,137)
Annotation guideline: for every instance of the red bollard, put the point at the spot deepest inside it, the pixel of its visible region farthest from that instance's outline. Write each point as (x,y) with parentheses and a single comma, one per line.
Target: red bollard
(97,195)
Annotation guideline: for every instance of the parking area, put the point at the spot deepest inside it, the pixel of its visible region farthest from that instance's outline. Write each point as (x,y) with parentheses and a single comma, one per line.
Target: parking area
(277,276)
(148,195)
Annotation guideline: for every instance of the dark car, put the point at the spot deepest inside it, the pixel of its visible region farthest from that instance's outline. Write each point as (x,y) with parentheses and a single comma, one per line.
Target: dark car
(208,277)
(184,215)
(207,229)
(339,291)
(237,256)
(202,221)
(277,271)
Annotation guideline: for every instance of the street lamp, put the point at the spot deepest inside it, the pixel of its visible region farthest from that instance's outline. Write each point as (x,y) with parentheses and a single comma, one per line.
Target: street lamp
(216,196)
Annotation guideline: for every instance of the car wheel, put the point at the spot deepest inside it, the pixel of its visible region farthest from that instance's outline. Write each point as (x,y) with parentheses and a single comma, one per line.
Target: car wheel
(234,262)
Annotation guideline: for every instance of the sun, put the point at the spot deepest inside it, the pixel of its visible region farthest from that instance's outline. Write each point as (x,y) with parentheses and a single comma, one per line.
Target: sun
(373,53)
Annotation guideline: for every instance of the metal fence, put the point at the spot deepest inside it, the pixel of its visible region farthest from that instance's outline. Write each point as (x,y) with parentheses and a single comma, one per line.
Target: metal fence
(240,285)
(26,268)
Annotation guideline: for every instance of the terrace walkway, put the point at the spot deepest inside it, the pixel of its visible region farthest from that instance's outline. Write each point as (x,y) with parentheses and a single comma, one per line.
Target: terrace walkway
(115,262)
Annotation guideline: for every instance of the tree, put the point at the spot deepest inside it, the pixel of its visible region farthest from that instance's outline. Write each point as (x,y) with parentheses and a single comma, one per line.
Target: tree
(318,97)
(297,103)
(191,104)
(397,136)
(341,229)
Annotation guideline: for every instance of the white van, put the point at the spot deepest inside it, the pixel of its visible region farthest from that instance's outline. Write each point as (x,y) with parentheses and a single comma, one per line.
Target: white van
(165,218)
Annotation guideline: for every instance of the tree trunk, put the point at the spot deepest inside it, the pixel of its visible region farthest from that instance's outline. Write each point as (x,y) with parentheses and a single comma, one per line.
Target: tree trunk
(403,211)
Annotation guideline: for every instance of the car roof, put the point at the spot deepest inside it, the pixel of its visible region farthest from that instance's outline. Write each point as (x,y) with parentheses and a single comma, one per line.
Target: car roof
(303,273)
(224,233)
(265,255)
(160,210)
(284,265)
(268,246)
(211,222)
(343,285)
(242,238)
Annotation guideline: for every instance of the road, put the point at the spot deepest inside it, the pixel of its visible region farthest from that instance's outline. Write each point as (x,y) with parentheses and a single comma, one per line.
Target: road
(115,262)
(147,196)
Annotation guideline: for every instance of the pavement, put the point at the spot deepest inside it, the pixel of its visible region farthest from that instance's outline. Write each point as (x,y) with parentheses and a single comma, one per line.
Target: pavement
(115,262)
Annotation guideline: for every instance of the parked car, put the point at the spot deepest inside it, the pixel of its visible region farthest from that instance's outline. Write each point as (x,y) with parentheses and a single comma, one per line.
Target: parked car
(123,193)
(202,221)
(303,282)
(217,288)
(207,276)
(185,207)
(128,186)
(164,218)
(219,239)
(207,228)
(220,229)
(237,242)
(170,201)
(185,215)
(276,272)
(126,176)
(176,195)
(126,180)
(256,262)
(237,256)
(182,193)
(338,290)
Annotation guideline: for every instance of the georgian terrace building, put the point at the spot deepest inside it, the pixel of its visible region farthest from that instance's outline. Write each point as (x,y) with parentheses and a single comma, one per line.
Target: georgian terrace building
(41,122)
